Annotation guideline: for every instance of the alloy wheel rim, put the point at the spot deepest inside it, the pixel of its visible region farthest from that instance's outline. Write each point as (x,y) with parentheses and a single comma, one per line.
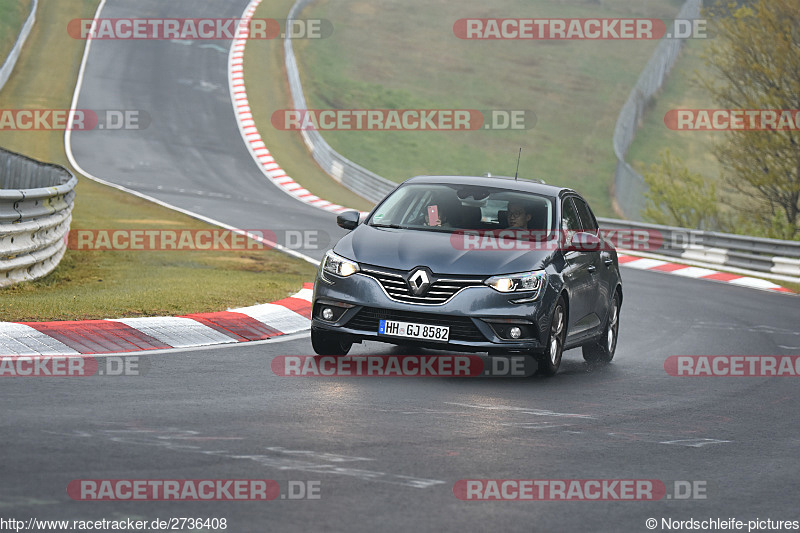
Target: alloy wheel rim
(611,337)
(555,335)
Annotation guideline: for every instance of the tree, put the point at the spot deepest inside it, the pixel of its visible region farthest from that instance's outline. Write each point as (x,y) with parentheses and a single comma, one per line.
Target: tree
(677,197)
(754,63)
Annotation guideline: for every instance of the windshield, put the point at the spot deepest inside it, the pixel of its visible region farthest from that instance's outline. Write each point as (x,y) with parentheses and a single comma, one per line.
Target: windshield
(450,208)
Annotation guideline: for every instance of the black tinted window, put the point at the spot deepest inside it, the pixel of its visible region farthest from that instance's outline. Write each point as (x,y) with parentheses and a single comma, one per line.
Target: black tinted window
(570,221)
(452,207)
(587,218)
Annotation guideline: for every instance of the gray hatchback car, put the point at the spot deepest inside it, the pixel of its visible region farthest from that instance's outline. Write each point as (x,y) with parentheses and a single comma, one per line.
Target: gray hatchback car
(464,263)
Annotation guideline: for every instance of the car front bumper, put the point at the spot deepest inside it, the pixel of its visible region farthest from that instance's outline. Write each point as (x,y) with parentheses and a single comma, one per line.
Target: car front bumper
(478,317)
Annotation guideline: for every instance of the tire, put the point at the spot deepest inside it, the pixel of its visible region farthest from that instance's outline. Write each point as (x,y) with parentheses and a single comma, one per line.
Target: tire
(602,350)
(327,343)
(550,360)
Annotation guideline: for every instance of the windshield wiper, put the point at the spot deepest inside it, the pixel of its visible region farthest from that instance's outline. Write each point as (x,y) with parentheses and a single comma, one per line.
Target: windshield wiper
(394,226)
(438,229)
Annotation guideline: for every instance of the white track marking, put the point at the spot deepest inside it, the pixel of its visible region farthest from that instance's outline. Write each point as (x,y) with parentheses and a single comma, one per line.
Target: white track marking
(76,166)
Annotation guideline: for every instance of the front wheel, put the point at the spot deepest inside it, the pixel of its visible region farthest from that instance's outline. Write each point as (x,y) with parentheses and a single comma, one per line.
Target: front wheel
(551,359)
(328,343)
(602,350)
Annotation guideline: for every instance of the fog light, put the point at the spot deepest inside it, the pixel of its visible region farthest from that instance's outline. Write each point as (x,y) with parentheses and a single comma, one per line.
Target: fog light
(515,332)
(327,313)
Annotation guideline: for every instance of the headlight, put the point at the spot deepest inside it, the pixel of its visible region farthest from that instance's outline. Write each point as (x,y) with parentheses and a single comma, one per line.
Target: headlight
(522,282)
(336,264)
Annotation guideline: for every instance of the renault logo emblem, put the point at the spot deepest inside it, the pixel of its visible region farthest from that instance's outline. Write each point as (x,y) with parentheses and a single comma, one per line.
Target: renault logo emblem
(419,282)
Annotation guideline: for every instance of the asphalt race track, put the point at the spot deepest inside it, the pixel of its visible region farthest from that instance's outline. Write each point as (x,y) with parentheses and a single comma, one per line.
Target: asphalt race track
(385,453)
(191,155)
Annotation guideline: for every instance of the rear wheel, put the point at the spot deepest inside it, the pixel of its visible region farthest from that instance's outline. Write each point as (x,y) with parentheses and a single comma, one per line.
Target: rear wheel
(550,360)
(602,350)
(329,343)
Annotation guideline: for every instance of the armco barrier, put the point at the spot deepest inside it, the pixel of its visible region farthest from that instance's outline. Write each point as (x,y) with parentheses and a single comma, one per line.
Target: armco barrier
(355,177)
(629,185)
(11,60)
(36,202)
(719,250)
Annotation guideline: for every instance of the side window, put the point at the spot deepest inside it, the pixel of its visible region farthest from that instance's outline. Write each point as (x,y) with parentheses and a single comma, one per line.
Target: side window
(570,222)
(589,222)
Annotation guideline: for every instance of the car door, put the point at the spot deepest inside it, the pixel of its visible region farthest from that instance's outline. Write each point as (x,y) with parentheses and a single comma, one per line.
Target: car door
(579,273)
(601,265)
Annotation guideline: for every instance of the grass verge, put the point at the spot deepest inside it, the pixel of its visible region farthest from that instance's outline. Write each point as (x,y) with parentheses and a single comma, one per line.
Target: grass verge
(405,55)
(110,284)
(267,92)
(113,284)
(693,147)
(13,14)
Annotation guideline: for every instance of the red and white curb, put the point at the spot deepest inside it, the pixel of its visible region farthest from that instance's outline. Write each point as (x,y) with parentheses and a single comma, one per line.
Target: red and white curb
(254,323)
(677,269)
(241,107)
(257,322)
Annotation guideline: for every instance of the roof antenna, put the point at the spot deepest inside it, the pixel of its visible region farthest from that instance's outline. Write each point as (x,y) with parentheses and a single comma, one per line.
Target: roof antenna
(518,157)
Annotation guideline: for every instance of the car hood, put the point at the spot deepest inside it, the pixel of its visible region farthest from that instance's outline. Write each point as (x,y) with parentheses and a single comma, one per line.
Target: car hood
(443,253)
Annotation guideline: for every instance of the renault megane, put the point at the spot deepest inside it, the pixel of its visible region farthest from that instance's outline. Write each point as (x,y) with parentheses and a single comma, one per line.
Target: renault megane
(488,264)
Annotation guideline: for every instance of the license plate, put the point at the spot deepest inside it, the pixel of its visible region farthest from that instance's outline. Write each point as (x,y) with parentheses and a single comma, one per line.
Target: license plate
(414,331)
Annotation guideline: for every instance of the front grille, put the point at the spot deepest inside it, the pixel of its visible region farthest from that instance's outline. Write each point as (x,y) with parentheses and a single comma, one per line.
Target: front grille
(441,289)
(461,328)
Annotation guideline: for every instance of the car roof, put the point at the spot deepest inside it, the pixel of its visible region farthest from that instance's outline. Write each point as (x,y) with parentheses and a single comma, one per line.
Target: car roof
(502,182)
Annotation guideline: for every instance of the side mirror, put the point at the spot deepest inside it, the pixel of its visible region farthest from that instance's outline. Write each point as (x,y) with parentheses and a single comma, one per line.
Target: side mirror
(348,220)
(585,242)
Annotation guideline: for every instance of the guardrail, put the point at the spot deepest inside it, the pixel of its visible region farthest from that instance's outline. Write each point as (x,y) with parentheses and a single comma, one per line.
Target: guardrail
(773,257)
(11,60)
(353,176)
(710,248)
(629,185)
(36,201)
